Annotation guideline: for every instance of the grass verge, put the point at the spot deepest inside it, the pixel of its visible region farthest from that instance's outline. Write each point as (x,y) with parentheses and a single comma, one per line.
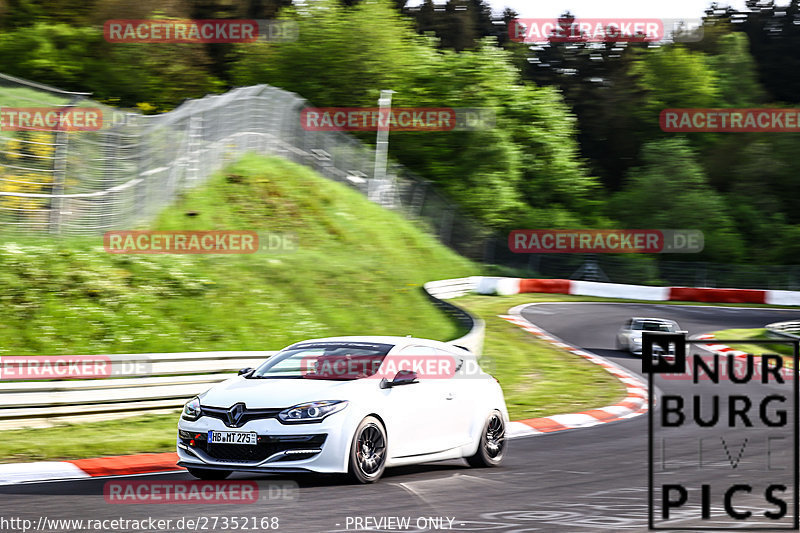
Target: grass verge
(538,379)
(785,350)
(151,433)
(357,270)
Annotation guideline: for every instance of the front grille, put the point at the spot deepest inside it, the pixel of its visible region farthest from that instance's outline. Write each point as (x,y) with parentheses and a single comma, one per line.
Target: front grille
(239,453)
(267,446)
(221,413)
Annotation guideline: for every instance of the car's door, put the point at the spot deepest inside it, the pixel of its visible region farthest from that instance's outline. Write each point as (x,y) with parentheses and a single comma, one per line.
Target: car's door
(463,393)
(415,412)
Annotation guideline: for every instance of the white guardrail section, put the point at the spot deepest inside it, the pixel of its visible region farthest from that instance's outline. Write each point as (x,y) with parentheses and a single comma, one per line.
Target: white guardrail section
(440,291)
(784,330)
(157,383)
(152,383)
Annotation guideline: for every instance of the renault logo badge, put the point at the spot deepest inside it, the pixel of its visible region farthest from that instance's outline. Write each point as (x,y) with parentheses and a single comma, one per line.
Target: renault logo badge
(235,414)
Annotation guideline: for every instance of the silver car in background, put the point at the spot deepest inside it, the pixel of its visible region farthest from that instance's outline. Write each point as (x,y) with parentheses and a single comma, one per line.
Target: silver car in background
(629,337)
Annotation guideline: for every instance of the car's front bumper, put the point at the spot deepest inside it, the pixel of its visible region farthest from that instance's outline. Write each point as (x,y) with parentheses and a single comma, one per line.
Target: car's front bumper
(636,349)
(320,447)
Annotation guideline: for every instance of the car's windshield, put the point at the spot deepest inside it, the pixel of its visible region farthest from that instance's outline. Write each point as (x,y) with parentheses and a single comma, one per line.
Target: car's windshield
(325,360)
(652,326)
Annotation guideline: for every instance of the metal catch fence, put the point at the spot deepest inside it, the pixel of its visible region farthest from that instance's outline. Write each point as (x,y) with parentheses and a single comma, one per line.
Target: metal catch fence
(122,175)
(89,182)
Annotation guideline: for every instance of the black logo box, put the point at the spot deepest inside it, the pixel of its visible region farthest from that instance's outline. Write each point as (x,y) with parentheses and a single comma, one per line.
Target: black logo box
(660,365)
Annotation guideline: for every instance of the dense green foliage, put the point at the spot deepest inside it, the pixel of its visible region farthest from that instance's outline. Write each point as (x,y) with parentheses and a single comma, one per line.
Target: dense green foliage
(506,175)
(576,140)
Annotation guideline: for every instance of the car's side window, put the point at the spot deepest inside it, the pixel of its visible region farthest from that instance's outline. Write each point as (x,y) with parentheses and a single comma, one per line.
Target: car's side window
(432,367)
(417,350)
(458,359)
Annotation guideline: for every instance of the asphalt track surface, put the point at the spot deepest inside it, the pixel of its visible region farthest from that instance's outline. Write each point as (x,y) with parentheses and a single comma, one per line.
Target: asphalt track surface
(585,480)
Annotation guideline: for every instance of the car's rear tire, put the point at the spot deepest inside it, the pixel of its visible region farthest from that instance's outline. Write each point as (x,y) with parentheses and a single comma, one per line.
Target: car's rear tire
(368,451)
(492,444)
(209,474)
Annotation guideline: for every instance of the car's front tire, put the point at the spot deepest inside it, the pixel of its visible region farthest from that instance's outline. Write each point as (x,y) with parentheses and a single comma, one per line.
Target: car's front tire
(368,451)
(492,444)
(209,474)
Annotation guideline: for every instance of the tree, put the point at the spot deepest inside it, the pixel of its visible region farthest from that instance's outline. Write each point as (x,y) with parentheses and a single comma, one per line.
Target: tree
(528,159)
(460,24)
(774,33)
(736,73)
(80,59)
(670,191)
(673,76)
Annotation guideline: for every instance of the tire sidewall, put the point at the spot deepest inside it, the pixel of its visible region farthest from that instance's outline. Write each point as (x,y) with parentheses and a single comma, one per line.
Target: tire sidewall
(354,468)
(484,454)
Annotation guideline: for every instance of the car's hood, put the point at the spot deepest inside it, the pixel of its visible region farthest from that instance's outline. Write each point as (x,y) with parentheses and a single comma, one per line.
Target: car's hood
(266,393)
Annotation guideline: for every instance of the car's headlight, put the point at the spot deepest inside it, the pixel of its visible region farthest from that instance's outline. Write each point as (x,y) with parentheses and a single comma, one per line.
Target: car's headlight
(192,411)
(637,340)
(311,412)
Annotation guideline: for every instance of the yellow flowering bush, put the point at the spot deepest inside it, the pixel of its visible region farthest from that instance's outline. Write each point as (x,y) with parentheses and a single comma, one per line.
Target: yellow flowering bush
(26,161)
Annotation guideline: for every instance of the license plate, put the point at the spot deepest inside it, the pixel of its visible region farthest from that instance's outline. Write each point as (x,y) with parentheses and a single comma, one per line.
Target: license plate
(233,437)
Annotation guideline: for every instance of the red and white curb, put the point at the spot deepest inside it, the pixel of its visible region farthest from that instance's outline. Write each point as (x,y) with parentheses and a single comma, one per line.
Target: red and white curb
(719,348)
(634,404)
(723,349)
(121,465)
(506,286)
(41,471)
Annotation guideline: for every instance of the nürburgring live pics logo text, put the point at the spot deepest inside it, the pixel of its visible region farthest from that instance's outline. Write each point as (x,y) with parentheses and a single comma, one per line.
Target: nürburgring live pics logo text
(723,444)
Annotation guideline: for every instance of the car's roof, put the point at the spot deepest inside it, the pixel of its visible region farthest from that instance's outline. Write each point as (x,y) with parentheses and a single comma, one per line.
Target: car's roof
(398,342)
(665,320)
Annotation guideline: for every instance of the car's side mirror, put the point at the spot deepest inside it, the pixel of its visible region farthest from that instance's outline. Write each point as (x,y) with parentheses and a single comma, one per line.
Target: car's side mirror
(245,370)
(403,377)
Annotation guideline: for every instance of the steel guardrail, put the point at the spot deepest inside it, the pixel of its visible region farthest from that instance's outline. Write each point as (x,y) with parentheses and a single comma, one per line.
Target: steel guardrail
(155,383)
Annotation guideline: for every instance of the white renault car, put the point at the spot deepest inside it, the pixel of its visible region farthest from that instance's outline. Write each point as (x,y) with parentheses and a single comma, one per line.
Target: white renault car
(629,336)
(353,405)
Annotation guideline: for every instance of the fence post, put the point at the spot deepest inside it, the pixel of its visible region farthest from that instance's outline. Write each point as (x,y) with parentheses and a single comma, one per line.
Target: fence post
(489,250)
(192,152)
(446,230)
(60,140)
